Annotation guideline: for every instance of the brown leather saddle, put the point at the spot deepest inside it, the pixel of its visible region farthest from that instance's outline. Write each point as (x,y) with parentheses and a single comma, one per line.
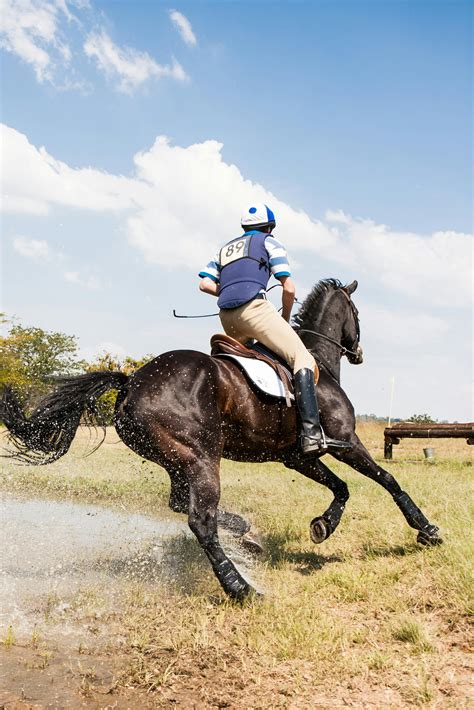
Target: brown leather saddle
(222,345)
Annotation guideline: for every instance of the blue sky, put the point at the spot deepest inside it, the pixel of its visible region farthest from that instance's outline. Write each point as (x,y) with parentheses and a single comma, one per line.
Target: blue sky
(347,116)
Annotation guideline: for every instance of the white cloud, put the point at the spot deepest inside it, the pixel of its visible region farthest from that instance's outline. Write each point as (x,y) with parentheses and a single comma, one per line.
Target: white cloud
(180,202)
(435,268)
(33,181)
(36,249)
(337,216)
(40,33)
(90,282)
(31,30)
(391,329)
(184,27)
(127,65)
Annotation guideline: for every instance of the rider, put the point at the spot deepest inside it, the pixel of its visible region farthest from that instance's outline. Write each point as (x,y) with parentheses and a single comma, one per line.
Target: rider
(239,275)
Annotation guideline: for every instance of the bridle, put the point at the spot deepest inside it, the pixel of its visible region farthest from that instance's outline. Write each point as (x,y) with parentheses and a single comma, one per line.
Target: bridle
(343,349)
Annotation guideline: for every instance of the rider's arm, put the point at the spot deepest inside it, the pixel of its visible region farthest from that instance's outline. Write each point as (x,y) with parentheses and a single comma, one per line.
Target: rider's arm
(288,296)
(280,269)
(209,286)
(210,277)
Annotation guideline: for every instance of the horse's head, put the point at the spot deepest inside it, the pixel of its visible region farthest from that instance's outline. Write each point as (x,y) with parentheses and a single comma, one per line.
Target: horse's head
(350,339)
(328,324)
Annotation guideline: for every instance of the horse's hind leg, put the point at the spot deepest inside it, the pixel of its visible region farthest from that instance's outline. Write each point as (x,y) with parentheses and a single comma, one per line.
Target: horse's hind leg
(204,490)
(179,493)
(324,525)
(179,503)
(359,459)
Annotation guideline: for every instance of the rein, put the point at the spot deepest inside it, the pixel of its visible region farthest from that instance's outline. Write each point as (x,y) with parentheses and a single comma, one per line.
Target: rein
(343,349)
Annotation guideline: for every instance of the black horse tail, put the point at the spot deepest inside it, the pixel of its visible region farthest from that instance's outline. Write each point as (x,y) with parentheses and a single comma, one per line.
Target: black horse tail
(47,433)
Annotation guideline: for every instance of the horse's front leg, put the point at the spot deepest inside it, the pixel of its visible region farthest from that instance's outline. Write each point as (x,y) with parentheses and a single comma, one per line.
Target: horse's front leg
(359,459)
(204,487)
(324,525)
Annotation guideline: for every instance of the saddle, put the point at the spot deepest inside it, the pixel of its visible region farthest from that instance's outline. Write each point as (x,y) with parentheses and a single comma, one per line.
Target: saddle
(223,345)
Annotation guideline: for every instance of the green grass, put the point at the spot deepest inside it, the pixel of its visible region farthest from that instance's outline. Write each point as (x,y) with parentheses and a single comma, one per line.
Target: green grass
(369,615)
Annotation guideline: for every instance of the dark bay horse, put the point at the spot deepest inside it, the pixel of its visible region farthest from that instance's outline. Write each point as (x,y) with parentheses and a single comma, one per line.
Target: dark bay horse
(185,410)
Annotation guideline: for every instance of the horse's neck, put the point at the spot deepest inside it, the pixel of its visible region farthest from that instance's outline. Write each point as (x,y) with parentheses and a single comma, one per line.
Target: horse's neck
(329,354)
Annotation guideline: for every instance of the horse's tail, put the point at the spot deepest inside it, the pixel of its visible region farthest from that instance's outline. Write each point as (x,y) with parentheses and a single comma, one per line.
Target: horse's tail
(47,433)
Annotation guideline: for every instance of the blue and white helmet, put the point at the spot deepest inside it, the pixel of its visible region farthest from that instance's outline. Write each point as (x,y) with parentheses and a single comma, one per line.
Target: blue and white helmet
(257,215)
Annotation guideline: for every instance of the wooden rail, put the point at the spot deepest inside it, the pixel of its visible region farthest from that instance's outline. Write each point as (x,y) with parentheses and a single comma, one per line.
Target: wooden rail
(407,430)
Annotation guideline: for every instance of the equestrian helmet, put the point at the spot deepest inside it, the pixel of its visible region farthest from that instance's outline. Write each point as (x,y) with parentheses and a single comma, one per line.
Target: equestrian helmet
(257,215)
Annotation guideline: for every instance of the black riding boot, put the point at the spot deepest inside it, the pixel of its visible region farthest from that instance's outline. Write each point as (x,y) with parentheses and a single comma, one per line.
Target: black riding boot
(312,436)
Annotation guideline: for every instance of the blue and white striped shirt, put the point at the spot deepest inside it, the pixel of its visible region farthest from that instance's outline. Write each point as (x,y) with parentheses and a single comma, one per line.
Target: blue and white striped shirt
(277,255)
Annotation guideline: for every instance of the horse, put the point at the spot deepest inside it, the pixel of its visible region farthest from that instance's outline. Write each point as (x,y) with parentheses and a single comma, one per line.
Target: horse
(185,410)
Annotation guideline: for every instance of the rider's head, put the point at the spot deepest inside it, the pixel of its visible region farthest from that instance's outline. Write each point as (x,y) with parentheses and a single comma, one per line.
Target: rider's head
(258,216)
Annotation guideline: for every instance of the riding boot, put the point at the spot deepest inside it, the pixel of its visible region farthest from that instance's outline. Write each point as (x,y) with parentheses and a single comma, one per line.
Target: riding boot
(312,437)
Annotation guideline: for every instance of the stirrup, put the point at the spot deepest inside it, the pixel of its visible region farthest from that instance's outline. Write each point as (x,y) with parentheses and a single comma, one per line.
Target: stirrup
(338,445)
(321,444)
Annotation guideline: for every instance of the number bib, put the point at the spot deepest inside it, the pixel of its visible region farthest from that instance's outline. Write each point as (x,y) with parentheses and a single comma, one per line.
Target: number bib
(237,249)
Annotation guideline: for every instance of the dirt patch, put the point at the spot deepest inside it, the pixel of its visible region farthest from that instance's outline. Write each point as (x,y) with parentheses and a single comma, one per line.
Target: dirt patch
(34,679)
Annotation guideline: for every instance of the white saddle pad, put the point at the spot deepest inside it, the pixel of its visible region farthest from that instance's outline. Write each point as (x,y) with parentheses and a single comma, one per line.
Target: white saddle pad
(261,374)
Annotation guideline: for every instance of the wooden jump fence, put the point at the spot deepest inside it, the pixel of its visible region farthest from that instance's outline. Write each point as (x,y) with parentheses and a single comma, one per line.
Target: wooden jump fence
(407,430)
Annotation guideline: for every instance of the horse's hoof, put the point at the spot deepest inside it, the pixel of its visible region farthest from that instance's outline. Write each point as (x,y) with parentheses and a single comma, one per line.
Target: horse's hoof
(251,543)
(241,592)
(318,530)
(232,582)
(429,536)
(233,522)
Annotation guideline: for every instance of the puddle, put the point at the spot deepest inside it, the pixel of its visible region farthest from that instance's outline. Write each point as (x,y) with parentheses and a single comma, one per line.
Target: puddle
(53,550)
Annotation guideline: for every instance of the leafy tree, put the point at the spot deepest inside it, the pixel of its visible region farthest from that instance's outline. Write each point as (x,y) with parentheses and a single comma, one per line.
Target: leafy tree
(30,357)
(421,419)
(11,370)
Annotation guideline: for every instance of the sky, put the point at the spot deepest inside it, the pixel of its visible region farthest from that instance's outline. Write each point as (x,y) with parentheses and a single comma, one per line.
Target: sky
(133,134)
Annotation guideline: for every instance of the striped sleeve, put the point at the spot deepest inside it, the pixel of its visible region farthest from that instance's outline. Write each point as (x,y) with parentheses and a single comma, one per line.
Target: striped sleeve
(279,265)
(212,270)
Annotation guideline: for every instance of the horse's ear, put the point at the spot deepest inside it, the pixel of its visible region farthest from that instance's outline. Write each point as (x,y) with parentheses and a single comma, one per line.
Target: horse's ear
(350,288)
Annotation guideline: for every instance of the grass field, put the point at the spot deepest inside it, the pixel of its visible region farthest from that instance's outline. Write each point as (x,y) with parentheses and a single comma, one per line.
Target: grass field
(367,619)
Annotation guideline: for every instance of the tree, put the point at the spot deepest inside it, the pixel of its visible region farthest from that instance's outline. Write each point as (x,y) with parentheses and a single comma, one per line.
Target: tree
(421,419)
(30,357)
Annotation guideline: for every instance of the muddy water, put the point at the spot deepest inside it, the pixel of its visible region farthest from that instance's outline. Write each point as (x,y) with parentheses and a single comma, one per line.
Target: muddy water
(52,550)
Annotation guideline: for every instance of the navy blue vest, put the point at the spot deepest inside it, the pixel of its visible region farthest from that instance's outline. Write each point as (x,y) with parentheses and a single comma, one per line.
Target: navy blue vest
(244,269)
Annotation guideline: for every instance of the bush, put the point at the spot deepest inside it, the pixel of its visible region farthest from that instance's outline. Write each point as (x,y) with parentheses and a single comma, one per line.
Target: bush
(421,419)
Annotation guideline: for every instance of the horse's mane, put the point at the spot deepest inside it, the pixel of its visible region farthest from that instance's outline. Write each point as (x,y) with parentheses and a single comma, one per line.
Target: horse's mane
(313,304)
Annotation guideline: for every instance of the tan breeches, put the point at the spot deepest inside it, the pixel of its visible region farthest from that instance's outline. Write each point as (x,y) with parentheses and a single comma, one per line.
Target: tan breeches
(260,319)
